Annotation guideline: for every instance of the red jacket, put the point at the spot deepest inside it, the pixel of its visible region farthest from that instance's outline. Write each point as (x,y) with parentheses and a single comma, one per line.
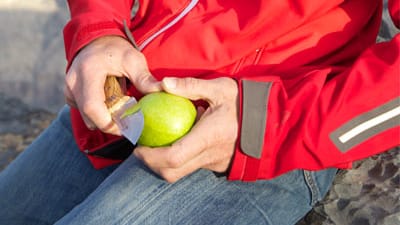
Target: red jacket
(316,90)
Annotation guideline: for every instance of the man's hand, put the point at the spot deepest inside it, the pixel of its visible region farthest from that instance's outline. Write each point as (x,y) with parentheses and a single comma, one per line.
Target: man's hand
(210,143)
(84,82)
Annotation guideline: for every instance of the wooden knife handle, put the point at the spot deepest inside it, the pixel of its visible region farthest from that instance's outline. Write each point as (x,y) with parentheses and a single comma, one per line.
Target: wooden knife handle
(114,94)
(112,91)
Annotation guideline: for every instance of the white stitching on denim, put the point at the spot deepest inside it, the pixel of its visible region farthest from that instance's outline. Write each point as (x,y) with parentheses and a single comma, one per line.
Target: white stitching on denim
(311,183)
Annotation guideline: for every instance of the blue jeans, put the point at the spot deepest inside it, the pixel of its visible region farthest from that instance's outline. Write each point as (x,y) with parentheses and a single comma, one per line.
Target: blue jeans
(51,182)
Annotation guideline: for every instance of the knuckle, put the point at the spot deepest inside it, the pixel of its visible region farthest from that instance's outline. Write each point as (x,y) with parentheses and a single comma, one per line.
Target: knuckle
(205,142)
(88,109)
(190,83)
(174,160)
(169,176)
(85,68)
(90,126)
(69,79)
(66,92)
(231,88)
(142,78)
(129,55)
(134,58)
(138,55)
(219,167)
(108,128)
(175,156)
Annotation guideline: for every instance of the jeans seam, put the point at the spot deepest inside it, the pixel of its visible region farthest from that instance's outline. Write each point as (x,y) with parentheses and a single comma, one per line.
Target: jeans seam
(312,185)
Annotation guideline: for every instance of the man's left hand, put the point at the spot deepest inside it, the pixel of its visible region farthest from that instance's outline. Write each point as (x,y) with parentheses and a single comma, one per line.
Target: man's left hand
(211,142)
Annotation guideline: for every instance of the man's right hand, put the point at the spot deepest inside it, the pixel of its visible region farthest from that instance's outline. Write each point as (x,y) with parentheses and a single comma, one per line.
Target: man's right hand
(84,82)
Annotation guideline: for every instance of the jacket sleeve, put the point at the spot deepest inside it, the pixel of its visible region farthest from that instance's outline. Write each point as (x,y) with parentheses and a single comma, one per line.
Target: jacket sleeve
(91,19)
(326,119)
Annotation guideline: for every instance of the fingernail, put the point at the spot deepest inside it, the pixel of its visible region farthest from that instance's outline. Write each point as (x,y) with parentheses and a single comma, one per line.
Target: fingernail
(169,83)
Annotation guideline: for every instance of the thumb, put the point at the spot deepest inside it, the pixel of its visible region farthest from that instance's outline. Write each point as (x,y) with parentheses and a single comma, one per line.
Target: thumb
(137,71)
(146,83)
(189,87)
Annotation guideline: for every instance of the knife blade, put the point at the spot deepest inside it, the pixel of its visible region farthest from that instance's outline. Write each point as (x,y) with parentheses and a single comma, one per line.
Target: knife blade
(130,122)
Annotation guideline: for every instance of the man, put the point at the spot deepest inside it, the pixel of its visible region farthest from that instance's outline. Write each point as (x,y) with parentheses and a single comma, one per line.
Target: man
(283,89)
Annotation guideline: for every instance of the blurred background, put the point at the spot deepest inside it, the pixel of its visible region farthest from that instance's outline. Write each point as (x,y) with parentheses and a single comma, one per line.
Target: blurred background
(32,62)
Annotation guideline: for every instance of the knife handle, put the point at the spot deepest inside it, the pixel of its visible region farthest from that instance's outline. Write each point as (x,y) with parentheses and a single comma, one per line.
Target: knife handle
(114,94)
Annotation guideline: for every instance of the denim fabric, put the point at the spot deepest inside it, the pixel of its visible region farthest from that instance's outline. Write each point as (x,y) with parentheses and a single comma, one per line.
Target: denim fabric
(52,181)
(47,179)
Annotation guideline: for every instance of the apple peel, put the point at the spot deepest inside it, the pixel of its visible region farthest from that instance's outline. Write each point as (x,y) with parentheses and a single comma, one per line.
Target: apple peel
(133,109)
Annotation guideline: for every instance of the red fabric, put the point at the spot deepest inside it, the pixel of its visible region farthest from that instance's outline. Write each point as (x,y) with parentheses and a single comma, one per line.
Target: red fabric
(301,120)
(394,10)
(93,19)
(91,140)
(320,57)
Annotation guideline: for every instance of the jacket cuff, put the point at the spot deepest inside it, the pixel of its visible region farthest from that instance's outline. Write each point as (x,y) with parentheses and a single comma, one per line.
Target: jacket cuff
(254,153)
(81,31)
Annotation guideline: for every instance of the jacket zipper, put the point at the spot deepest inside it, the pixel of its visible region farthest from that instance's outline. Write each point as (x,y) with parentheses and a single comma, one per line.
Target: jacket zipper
(142,45)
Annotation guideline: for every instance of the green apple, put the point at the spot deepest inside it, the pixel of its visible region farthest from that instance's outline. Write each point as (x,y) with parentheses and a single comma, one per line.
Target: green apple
(167,118)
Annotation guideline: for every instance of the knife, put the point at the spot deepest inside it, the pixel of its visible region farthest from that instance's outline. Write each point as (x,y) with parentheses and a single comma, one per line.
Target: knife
(124,109)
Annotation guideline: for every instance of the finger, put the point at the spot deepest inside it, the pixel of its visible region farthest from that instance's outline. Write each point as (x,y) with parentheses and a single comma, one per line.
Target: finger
(180,152)
(69,98)
(171,174)
(71,102)
(93,108)
(96,111)
(110,128)
(146,83)
(196,89)
(89,124)
(138,73)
